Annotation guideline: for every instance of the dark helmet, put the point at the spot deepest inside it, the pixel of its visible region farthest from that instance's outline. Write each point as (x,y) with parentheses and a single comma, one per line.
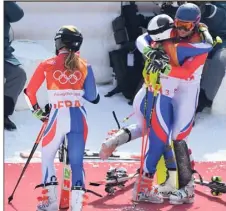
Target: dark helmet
(188,12)
(69,37)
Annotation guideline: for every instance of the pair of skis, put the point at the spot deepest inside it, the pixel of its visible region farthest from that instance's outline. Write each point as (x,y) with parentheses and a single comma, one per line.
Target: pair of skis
(66,180)
(112,181)
(91,155)
(115,178)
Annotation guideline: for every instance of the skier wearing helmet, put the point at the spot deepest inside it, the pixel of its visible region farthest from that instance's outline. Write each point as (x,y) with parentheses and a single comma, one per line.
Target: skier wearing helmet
(186,19)
(187,51)
(175,107)
(70,81)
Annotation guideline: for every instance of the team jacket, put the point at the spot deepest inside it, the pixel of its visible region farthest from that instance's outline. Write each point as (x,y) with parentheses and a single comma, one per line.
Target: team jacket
(65,88)
(186,56)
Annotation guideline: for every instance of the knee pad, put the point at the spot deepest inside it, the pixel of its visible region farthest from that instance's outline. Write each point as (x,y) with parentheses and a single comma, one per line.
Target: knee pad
(183,162)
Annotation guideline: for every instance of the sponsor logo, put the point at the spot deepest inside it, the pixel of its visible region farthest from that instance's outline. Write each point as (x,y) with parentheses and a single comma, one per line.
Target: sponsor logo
(76,94)
(67,173)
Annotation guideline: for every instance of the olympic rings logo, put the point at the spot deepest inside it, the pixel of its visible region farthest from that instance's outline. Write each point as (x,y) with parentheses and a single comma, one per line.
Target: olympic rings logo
(66,76)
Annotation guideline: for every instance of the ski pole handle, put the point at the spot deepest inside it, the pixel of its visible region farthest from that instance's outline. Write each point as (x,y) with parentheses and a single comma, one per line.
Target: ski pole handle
(218,40)
(116,119)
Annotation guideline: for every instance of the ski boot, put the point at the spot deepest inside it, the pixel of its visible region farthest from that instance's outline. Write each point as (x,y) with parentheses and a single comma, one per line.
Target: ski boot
(184,195)
(48,200)
(169,186)
(148,192)
(115,174)
(78,198)
(118,138)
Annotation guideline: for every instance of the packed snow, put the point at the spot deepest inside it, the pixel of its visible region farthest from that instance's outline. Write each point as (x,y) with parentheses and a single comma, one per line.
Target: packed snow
(207,139)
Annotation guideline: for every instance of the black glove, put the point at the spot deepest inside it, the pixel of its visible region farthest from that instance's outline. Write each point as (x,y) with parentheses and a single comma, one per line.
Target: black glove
(39,113)
(153,54)
(47,108)
(158,65)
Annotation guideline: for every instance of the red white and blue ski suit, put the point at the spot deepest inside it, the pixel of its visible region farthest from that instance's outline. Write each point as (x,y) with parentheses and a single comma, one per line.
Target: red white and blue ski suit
(67,93)
(176,103)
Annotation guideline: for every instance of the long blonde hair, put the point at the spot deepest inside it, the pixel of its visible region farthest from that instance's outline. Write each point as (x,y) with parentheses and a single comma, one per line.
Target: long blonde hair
(71,62)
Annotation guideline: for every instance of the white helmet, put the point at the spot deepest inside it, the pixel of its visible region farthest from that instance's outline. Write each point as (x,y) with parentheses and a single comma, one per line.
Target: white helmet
(160,27)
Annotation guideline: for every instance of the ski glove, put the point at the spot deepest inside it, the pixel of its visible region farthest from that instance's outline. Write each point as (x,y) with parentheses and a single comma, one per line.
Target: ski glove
(159,65)
(206,36)
(40,114)
(157,53)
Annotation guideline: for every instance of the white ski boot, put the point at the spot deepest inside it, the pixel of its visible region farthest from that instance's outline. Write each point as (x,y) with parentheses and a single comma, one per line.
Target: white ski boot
(48,200)
(78,198)
(148,192)
(169,186)
(184,195)
(118,138)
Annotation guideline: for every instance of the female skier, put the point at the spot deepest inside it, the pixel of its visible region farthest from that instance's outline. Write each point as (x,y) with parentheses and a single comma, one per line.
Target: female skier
(70,81)
(176,103)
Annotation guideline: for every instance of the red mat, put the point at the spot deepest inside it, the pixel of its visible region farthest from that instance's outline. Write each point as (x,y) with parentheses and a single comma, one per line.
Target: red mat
(25,196)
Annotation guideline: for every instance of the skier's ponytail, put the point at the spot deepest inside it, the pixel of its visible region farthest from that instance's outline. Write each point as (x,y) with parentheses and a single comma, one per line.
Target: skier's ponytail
(71,62)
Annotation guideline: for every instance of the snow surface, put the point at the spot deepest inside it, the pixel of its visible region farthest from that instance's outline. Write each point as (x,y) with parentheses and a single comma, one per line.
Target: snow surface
(207,139)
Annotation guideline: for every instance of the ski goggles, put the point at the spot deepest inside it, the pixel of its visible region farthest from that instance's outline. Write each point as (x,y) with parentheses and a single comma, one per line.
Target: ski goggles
(186,26)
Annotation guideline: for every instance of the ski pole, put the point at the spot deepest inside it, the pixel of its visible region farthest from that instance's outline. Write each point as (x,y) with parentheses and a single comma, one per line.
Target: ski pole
(29,159)
(124,120)
(146,126)
(116,119)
